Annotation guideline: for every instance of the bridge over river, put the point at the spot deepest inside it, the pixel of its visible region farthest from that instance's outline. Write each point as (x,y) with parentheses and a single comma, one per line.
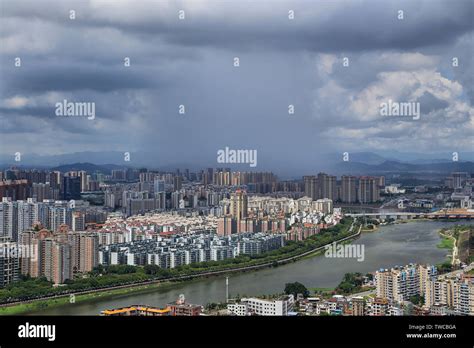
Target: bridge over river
(438,215)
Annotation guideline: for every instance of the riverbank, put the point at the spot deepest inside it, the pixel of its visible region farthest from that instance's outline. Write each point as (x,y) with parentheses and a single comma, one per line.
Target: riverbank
(456,239)
(370,228)
(447,242)
(42,304)
(375,227)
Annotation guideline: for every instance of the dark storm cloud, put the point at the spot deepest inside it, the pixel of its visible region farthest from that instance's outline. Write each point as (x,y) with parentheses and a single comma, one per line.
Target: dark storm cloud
(40,77)
(321,27)
(190,62)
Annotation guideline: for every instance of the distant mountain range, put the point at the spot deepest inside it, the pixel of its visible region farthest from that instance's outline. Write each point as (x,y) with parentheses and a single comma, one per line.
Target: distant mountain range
(355,168)
(359,163)
(88,167)
(399,167)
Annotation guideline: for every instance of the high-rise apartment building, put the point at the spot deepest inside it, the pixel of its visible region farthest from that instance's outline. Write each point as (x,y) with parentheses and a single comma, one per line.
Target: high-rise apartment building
(71,188)
(57,217)
(400,283)
(226,226)
(358,306)
(324,205)
(459,178)
(311,188)
(58,256)
(29,262)
(368,189)
(84,180)
(348,189)
(455,292)
(55,260)
(158,185)
(55,179)
(239,204)
(463,291)
(7,218)
(327,186)
(177,182)
(9,261)
(17,216)
(85,249)
(41,191)
(15,189)
(78,221)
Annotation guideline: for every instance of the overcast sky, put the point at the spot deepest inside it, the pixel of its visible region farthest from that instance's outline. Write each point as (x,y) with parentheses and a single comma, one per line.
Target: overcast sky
(190,62)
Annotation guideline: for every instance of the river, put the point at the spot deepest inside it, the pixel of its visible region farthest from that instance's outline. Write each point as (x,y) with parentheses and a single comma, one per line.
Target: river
(389,246)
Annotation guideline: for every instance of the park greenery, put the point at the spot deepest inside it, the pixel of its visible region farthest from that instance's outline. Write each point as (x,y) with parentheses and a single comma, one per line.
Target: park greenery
(444,267)
(461,236)
(446,243)
(103,277)
(351,283)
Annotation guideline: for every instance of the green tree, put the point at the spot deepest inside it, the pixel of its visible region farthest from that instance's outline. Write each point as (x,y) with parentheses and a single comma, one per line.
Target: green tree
(152,269)
(417,300)
(295,289)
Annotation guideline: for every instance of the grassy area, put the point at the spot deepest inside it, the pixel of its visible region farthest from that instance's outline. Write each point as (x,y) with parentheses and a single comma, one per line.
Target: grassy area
(462,236)
(38,306)
(312,254)
(31,288)
(322,291)
(446,243)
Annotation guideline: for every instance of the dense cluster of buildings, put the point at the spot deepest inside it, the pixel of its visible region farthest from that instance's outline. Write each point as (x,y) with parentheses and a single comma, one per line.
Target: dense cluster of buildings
(143,217)
(395,290)
(458,180)
(58,256)
(122,230)
(20,184)
(355,306)
(18,216)
(451,293)
(167,239)
(271,214)
(201,191)
(336,305)
(400,283)
(463,193)
(179,250)
(349,189)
